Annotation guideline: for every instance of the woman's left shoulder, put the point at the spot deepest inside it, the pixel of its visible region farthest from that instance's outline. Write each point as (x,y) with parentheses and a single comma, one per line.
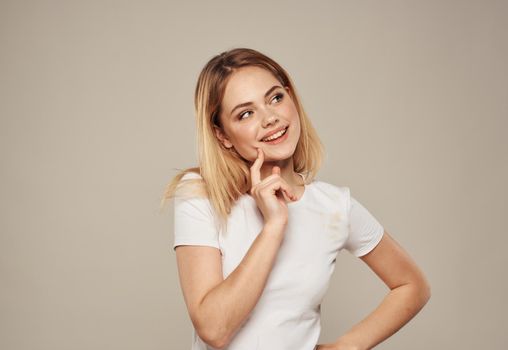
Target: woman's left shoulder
(328,187)
(326,191)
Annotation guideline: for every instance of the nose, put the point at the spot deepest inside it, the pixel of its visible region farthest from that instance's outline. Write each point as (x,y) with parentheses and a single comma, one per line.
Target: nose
(271,119)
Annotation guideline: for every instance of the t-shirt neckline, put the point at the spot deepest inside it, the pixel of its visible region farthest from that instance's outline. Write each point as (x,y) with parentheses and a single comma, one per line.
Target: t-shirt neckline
(304,194)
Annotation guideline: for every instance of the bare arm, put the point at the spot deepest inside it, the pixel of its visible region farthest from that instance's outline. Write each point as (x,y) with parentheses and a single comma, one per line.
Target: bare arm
(218,306)
(409,292)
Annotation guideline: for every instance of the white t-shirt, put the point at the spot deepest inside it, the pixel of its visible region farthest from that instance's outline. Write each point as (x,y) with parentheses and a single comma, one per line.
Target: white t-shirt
(322,222)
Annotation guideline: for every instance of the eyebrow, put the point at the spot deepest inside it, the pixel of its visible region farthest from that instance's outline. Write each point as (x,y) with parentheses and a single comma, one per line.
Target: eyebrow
(249,103)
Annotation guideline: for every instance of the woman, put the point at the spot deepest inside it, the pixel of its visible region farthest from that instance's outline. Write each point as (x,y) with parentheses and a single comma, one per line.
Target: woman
(256,235)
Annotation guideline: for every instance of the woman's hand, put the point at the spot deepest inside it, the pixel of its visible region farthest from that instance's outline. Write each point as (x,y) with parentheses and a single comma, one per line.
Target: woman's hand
(268,193)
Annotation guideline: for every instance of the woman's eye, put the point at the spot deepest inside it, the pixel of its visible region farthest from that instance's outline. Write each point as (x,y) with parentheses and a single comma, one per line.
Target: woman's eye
(279,97)
(241,115)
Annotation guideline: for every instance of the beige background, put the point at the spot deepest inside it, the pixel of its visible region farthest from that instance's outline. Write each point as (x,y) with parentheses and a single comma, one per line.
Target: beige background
(409,97)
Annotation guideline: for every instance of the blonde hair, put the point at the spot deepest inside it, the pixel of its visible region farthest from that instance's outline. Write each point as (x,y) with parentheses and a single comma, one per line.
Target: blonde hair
(225,175)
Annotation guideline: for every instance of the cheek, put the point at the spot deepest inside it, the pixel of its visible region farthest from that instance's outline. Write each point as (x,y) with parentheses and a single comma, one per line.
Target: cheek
(292,114)
(295,120)
(245,133)
(289,109)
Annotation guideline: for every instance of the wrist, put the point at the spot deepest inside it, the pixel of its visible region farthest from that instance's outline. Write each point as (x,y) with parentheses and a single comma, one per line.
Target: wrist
(274,226)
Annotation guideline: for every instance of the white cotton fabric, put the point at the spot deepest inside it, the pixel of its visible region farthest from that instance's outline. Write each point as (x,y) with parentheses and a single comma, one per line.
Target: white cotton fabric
(324,221)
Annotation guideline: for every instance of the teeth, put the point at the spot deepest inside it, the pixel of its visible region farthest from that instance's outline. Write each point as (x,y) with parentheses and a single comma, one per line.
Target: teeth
(275,136)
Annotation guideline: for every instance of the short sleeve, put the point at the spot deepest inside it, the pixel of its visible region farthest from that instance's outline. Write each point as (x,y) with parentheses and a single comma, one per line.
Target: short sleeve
(365,231)
(194,223)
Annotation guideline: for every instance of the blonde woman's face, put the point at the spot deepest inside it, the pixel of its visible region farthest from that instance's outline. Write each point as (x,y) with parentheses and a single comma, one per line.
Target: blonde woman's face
(255,104)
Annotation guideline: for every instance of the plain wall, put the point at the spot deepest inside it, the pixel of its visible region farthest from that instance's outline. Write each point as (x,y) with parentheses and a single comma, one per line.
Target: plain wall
(96,104)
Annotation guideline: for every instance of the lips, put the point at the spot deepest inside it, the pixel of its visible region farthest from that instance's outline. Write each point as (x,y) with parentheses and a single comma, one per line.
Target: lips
(273,132)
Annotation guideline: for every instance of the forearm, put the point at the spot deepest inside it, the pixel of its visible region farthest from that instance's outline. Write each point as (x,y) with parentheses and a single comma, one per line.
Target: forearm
(397,308)
(227,305)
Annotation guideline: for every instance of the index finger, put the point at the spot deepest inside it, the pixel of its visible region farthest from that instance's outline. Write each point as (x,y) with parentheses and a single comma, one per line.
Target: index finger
(255,174)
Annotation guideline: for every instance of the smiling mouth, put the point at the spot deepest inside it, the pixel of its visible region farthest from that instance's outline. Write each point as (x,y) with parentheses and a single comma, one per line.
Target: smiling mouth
(280,134)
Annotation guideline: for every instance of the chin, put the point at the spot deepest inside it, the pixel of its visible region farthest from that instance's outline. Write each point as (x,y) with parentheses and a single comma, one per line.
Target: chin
(282,153)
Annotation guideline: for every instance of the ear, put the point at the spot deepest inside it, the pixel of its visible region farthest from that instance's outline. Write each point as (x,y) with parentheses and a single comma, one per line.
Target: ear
(222,137)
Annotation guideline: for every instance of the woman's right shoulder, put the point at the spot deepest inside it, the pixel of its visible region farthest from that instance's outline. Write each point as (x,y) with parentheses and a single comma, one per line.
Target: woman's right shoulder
(191,184)
(191,175)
